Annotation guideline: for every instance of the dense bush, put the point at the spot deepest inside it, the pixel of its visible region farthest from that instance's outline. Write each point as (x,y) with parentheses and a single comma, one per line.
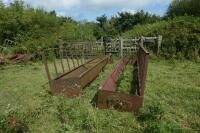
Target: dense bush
(126,21)
(181,36)
(123,21)
(34,29)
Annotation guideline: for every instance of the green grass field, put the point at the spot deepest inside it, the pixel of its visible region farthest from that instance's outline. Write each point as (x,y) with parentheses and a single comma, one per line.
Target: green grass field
(172,102)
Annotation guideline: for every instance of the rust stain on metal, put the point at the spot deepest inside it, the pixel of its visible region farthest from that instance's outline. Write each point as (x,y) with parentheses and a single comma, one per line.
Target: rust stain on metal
(118,101)
(108,97)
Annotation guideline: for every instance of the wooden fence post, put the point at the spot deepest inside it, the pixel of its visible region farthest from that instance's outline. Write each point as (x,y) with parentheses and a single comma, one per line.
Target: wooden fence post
(102,42)
(159,44)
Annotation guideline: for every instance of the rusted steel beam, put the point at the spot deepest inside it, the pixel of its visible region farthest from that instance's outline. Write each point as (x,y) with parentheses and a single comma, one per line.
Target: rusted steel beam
(71,83)
(108,97)
(118,101)
(110,83)
(142,64)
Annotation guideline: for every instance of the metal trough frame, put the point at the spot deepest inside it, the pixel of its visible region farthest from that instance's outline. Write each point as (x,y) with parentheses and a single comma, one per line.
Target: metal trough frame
(107,97)
(70,84)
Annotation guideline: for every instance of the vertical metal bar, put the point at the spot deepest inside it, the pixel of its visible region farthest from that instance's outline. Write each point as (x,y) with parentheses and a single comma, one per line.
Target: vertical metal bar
(75,51)
(78,54)
(68,63)
(84,48)
(61,59)
(77,60)
(81,55)
(82,60)
(90,47)
(86,52)
(54,62)
(72,57)
(46,67)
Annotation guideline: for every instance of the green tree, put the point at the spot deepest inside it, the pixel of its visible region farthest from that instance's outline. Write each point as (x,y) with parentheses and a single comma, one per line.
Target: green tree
(126,21)
(183,7)
(105,28)
(181,38)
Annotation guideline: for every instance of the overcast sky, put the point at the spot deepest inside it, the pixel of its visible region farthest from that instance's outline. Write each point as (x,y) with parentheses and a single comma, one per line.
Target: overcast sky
(90,9)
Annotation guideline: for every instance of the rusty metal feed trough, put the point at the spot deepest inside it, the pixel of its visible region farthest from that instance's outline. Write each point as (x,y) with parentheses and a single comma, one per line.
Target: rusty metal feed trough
(70,81)
(108,97)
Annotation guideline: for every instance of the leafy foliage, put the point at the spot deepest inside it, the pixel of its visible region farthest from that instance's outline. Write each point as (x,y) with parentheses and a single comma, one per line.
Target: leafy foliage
(181,36)
(126,21)
(34,29)
(183,7)
(105,28)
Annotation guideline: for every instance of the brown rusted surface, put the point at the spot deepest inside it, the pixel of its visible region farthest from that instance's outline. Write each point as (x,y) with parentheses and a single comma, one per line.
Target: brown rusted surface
(72,67)
(71,83)
(20,57)
(110,83)
(142,64)
(118,101)
(12,57)
(107,97)
(1,59)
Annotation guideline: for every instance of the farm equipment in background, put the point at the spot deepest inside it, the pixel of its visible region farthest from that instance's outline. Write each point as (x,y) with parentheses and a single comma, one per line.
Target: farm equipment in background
(18,58)
(121,46)
(10,56)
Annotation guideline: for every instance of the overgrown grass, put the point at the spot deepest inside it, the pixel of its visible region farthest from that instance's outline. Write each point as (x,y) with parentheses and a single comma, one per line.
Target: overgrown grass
(172,102)
(125,81)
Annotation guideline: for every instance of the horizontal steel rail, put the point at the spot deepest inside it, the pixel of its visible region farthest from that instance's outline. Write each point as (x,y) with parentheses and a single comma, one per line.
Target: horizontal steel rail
(110,83)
